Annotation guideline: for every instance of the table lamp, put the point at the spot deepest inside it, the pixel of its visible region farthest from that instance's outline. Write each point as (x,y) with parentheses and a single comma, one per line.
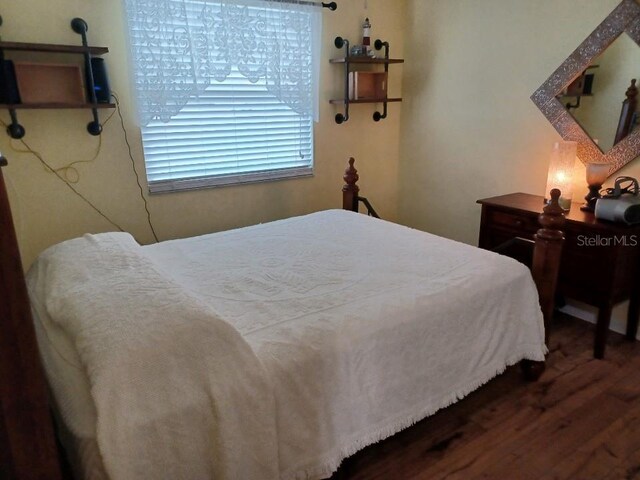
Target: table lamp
(561,166)
(597,174)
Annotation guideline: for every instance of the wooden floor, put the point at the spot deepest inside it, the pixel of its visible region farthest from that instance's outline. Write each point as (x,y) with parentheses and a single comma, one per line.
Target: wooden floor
(581,421)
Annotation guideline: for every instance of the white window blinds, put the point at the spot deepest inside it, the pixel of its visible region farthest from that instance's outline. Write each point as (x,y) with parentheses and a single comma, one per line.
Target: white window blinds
(227,91)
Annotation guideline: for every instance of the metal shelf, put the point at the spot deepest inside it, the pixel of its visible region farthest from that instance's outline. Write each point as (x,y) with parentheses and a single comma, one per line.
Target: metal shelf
(366,60)
(349,60)
(342,101)
(53,106)
(52,48)
(79,26)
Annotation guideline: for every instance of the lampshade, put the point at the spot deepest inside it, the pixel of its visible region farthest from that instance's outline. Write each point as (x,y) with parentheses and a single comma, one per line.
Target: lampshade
(561,167)
(597,173)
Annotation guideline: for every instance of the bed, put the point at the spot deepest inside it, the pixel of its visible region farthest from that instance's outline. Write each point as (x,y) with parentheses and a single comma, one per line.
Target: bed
(273,351)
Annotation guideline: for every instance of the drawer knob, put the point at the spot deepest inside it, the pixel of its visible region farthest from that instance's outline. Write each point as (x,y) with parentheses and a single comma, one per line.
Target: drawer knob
(518,223)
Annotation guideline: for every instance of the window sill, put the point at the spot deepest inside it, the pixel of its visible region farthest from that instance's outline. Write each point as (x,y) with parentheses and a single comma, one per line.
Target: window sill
(169,186)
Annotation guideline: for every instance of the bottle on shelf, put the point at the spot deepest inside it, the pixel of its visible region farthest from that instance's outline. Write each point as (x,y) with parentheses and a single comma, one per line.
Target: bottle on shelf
(366,37)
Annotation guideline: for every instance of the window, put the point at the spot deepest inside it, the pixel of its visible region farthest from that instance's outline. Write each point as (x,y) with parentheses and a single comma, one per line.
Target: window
(227,91)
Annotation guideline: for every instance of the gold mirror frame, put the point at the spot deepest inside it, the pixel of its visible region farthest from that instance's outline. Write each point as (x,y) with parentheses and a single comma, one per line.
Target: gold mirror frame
(625,18)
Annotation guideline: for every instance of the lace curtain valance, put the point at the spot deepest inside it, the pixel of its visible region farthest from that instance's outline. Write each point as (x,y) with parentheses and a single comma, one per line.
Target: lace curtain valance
(179,47)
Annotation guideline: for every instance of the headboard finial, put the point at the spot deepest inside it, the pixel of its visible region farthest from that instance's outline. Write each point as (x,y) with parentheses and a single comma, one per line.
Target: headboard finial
(351,175)
(350,189)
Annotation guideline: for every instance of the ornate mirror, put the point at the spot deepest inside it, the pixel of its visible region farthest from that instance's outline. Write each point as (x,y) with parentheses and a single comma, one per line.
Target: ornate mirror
(592,97)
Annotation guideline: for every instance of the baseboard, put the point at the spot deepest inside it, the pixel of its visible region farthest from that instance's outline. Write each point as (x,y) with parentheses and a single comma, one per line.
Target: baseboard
(590,314)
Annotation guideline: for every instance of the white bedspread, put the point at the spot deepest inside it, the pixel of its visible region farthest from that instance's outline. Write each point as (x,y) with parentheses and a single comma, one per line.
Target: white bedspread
(274,351)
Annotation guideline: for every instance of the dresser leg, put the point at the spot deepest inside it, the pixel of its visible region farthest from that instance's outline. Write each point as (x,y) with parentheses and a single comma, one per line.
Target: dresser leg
(633,315)
(602,330)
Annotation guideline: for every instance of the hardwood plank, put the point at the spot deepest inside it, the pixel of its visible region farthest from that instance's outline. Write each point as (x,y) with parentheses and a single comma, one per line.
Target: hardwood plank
(509,467)
(550,442)
(604,452)
(479,454)
(630,470)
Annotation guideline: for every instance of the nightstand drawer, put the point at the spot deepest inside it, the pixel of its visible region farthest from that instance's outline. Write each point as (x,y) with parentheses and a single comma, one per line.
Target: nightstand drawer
(513,221)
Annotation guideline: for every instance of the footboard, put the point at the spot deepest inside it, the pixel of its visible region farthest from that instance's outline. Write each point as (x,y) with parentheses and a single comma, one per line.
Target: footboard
(545,268)
(546,256)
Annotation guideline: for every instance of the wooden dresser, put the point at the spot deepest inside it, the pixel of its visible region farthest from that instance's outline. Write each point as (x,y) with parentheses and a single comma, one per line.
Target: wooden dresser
(600,260)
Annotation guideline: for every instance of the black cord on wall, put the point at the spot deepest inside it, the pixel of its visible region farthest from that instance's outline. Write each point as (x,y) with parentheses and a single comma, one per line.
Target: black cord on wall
(62,173)
(135,171)
(68,184)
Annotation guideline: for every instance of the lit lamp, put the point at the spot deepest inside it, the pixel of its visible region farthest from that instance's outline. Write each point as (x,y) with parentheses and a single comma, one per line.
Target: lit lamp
(597,174)
(561,166)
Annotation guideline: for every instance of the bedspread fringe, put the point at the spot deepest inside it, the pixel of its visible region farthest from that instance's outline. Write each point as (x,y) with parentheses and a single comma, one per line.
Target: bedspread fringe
(333,462)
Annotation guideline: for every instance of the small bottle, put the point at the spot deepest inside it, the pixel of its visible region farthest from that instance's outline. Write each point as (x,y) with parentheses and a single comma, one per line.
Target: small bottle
(366,36)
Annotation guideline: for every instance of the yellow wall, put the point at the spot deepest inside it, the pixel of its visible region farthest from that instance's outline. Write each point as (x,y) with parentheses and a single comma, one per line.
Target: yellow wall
(470,130)
(46,212)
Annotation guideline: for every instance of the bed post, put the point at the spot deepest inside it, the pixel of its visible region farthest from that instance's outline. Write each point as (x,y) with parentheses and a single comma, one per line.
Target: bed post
(27,442)
(350,190)
(545,268)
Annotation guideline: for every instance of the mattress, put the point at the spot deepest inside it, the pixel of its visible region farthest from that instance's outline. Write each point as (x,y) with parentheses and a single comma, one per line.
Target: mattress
(394,324)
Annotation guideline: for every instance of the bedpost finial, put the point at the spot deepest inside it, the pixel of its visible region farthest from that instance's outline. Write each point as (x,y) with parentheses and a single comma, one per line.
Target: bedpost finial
(552,218)
(351,176)
(553,207)
(350,189)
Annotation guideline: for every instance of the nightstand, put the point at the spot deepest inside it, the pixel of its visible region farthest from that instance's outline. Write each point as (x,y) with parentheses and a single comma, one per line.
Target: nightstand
(600,263)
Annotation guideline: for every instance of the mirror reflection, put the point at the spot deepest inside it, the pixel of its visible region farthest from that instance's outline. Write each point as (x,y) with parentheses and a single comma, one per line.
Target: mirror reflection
(603,100)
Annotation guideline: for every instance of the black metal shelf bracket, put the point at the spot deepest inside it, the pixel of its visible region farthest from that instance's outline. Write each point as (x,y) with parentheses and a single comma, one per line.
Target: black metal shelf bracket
(78,25)
(344,43)
(81,27)
(14,130)
(379,44)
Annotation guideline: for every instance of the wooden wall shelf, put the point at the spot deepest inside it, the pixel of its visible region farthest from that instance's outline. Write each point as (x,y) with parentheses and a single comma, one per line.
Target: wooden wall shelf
(52,48)
(79,26)
(56,106)
(366,60)
(348,61)
(342,101)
